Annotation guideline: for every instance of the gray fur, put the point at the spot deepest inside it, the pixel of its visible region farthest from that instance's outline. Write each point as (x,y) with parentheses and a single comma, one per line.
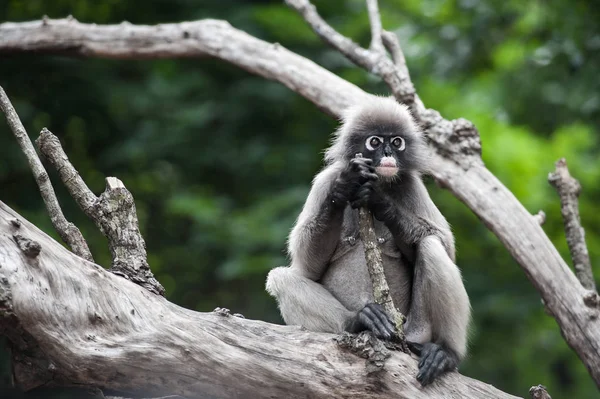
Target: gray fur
(327,282)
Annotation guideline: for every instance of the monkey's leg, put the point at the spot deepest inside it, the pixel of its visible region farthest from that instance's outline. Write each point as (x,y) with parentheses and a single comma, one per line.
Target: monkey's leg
(439,313)
(307,303)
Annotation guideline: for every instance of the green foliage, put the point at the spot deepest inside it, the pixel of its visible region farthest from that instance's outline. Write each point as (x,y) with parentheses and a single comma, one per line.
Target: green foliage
(220,161)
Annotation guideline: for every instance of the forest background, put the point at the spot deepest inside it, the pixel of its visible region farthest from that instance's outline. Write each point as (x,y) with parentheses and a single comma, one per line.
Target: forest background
(220,161)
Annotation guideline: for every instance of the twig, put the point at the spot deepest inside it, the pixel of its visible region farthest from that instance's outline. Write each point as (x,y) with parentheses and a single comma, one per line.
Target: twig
(113,212)
(68,232)
(373,61)
(392,44)
(568,189)
(540,217)
(376,29)
(539,392)
(463,144)
(381,289)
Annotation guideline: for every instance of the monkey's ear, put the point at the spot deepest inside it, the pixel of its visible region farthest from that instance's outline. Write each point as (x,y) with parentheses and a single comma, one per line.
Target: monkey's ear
(415,347)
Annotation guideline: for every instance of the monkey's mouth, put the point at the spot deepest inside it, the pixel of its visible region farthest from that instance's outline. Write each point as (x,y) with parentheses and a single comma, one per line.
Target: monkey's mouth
(387,167)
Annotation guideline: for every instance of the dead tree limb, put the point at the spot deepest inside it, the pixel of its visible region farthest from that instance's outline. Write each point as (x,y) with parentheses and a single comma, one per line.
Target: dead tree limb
(568,189)
(456,163)
(539,392)
(113,212)
(376,29)
(72,323)
(67,231)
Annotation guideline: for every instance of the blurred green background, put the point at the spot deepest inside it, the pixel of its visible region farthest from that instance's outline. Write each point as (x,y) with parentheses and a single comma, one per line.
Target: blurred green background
(220,161)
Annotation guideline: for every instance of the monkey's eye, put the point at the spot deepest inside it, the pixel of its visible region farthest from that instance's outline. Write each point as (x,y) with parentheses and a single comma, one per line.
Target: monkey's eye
(373,142)
(399,143)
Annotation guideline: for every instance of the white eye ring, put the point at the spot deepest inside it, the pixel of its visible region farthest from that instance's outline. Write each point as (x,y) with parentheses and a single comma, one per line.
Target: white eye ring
(368,143)
(402,145)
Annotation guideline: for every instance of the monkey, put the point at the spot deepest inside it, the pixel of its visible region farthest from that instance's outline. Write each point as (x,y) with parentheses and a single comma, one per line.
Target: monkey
(327,288)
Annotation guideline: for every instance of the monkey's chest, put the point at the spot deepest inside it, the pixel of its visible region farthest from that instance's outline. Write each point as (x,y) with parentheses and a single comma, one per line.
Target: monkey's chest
(347,276)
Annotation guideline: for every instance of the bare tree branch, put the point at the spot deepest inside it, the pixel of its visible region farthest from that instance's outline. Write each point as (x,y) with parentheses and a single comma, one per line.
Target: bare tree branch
(456,162)
(205,38)
(376,29)
(82,326)
(68,232)
(392,44)
(375,62)
(568,189)
(113,212)
(539,392)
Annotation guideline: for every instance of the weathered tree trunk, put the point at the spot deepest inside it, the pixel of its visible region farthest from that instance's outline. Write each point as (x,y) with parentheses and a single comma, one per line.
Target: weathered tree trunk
(72,323)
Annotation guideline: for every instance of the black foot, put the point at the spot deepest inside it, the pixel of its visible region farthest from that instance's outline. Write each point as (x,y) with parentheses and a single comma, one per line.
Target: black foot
(373,318)
(435,360)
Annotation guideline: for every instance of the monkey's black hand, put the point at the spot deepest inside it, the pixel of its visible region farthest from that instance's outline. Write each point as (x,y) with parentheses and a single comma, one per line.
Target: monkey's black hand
(399,221)
(382,209)
(373,318)
(354,183)
(435,360)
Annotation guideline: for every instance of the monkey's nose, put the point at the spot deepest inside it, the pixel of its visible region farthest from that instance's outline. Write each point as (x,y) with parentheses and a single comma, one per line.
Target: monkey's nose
(387,151)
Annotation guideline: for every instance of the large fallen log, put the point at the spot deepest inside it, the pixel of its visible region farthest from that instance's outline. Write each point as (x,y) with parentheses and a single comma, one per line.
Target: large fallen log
(72,323)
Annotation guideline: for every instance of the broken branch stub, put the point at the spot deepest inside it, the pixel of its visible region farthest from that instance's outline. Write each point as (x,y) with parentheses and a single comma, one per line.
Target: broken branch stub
(113,212)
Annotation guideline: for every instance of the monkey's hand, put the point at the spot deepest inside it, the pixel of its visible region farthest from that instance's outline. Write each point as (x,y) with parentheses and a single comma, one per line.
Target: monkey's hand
(435,360)
(354,183)
(383,209)
(409,227)
(373,318)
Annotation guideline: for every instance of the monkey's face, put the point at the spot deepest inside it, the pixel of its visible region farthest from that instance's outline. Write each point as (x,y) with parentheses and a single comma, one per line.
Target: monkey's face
(386,151)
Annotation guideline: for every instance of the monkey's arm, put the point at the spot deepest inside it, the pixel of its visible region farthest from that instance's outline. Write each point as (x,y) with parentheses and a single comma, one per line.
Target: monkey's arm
(302,300)
(317,231)
(411,215)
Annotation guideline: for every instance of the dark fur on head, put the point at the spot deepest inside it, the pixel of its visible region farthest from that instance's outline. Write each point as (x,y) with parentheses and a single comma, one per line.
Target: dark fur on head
(381,116)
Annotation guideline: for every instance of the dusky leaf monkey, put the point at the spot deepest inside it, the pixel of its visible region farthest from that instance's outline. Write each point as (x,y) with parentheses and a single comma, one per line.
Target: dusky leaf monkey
(327,286)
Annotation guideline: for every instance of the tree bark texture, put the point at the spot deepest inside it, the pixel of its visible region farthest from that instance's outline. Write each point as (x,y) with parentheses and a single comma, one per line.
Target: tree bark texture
(70,322)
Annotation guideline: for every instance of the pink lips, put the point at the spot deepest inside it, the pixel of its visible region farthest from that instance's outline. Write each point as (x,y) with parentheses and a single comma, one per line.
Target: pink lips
(387,167)
(387,163)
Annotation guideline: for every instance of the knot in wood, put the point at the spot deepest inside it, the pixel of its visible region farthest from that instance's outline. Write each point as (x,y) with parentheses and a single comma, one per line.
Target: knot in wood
(539,392)
(222,312)
(592,300)
(366,346)
(30,248)
(465,137)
